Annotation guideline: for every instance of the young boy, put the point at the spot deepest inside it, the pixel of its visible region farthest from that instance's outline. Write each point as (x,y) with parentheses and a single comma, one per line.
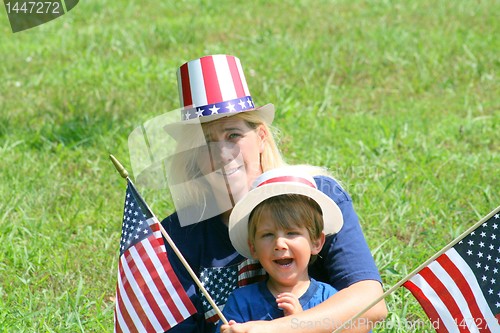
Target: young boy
(282,223)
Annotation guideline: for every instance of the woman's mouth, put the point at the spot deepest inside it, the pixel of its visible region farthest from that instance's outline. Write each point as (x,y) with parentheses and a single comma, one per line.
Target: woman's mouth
(228,171)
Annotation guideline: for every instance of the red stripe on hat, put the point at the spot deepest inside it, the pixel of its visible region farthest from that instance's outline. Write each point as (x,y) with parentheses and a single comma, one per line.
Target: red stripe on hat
(186,87)
(235,74)
(287,179)
(212,87)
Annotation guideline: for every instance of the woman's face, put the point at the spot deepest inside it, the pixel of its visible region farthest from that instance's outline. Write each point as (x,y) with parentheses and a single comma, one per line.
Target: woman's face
(231,159)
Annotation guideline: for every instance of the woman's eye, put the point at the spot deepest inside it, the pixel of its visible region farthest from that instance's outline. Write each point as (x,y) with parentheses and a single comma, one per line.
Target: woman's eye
(233,136)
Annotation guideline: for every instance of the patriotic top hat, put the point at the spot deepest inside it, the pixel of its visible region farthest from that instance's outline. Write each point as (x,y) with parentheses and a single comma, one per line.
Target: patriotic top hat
(285,180)
(213,87)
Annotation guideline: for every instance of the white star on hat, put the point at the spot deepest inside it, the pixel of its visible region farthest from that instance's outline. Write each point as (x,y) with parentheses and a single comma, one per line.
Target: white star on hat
(242,104)
(230,107)
(214,109)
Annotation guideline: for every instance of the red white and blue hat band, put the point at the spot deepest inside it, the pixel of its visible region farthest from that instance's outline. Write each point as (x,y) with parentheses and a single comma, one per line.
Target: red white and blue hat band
(235,105)
(213,85)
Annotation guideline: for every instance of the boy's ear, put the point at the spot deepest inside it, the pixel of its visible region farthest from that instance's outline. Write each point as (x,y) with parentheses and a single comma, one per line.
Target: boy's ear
(252,250)
(317,244)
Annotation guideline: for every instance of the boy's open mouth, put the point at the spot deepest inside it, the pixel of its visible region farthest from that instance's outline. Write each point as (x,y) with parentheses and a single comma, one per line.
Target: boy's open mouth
(284,262)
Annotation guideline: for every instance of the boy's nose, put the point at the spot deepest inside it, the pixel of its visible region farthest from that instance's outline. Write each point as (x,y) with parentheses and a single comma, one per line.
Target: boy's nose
(280,244)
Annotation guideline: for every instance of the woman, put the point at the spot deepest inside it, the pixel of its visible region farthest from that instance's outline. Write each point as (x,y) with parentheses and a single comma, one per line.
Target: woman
(224,143)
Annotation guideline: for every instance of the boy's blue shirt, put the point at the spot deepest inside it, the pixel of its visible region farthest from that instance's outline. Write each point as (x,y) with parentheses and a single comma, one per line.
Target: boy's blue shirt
(256,302)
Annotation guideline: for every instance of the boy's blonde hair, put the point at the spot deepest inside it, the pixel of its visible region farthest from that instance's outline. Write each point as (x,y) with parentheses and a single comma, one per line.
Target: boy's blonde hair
(288,211)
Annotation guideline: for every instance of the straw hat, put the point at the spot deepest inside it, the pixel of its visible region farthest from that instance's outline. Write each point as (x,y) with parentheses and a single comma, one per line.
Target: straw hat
(285,180)
(213,87)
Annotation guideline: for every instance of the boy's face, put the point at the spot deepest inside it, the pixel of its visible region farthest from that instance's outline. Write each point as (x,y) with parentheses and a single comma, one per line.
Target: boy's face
(284,253)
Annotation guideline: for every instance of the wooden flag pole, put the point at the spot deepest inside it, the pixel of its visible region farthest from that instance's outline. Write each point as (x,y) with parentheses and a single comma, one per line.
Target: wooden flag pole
(123,172)
(419,268)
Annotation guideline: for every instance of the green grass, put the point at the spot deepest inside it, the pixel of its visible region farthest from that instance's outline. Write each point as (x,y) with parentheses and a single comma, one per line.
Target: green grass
(398,98)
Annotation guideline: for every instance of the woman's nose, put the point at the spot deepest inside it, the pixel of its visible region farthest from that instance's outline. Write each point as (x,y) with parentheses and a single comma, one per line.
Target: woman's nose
(224,152)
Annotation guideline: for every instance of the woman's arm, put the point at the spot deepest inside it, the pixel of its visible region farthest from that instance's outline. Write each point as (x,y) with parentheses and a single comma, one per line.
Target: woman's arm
(329,315)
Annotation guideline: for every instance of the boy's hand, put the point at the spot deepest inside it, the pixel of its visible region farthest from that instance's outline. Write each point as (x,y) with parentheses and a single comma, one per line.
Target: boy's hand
(289,303)
(227,328)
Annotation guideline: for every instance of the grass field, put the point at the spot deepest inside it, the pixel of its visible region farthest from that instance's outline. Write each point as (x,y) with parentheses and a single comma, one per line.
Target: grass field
(400,99)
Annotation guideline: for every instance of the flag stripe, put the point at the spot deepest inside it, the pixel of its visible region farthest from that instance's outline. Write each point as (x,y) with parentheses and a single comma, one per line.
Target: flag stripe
(187,98)
(440,307)
(170,298)
(178,302)
(235,74)
(210,78)
(445,296)
(243,79)
(249,267)
(126,305)
(115,317)
(464,321)
(123,320)
(212,316)
(181,302)
(118,327)
(157,254)
(481,302)
(197,84)
(227,88)
(136,294)
(154,297)
(462,287)
(414,286)
(250,271)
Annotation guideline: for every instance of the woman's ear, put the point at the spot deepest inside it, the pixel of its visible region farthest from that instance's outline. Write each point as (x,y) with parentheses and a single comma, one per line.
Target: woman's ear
(263,134)
(317,244)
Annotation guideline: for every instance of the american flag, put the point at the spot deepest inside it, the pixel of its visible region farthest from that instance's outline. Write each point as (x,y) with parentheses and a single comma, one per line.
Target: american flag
(460,290)
(149,297)
(221,281)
